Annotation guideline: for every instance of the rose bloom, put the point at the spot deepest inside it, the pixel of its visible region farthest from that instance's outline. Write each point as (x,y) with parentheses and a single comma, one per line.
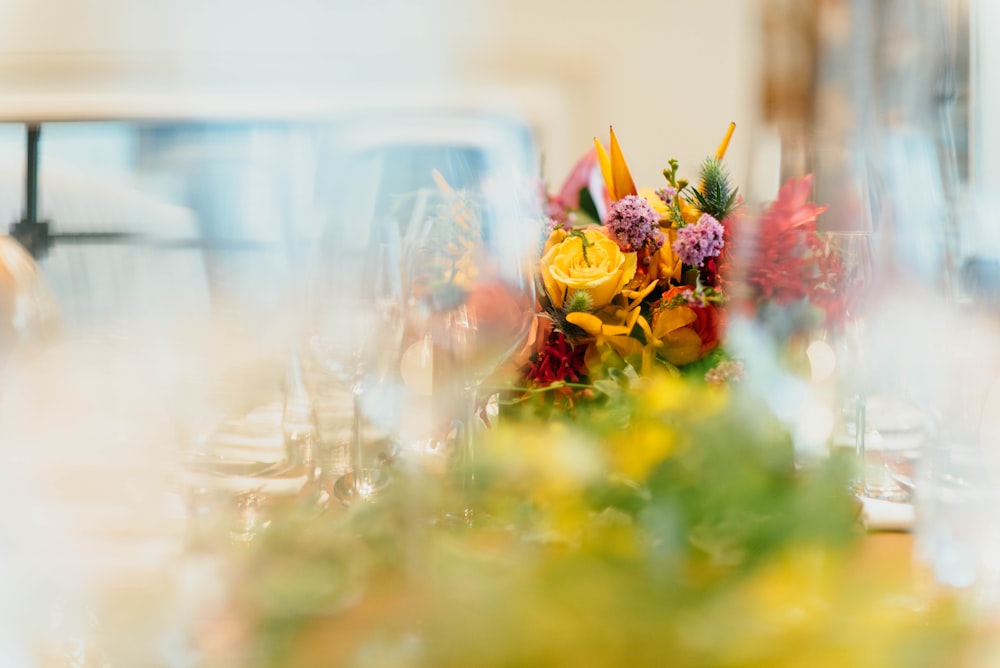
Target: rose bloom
(688,333)
(603,271)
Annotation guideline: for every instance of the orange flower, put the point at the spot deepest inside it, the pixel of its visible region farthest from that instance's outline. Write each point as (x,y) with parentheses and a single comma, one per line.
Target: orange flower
(616,173)
(687,332)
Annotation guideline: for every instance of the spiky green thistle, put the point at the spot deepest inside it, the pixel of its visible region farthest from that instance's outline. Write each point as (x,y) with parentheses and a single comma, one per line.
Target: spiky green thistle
(715,197)
(579,300)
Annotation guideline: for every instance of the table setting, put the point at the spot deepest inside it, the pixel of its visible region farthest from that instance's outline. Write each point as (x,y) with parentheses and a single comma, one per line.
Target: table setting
(375,386)
(494,423)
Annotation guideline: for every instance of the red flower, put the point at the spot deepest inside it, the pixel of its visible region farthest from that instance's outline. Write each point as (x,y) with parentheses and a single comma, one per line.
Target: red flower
(688,330)
(782,259)
(559,360)
(709,325)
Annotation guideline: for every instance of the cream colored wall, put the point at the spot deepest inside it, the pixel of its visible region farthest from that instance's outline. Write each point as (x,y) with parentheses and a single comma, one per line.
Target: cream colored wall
(669,74)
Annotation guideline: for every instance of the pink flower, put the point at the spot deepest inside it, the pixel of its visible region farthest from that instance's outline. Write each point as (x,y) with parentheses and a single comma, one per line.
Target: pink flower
(585,175)
(696,243)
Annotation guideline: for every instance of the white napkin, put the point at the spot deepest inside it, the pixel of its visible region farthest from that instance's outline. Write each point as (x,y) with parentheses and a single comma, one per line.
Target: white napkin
(878,515)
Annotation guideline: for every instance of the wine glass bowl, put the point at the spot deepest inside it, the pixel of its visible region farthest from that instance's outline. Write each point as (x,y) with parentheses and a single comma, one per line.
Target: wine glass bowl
(476,305)
(463,193)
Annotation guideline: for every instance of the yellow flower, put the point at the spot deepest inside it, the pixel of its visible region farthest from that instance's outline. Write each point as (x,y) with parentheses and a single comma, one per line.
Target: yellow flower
(661,208)
(587,261)
(681,344)
(612,327)
(689,212)
(636,451)
(666,261)
(550,465)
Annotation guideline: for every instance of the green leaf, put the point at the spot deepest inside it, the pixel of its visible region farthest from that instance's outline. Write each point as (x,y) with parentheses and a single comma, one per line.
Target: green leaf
(587,205)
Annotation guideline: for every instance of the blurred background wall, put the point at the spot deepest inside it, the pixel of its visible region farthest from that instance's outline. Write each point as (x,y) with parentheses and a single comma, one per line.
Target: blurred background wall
(669,75)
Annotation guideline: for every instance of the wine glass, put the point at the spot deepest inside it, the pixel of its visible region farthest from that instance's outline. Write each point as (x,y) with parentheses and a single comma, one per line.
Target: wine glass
(462,189)
(471,294)
(27,307)
(801,256)
(355,324)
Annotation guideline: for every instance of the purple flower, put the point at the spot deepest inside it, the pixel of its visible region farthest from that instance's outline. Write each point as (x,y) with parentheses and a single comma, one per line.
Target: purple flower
(667,194)
(633,223)
(698,242)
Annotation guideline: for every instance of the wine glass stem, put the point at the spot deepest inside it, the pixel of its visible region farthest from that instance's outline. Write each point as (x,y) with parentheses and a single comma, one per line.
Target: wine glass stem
(467,455)
(860,428)
(357,440)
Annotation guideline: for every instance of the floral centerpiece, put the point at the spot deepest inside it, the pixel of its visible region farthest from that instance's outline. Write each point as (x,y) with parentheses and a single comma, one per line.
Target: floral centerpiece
(632,279)
(635,279)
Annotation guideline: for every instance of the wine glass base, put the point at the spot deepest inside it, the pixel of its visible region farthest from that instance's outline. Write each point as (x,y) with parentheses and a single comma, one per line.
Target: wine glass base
(369,485)
(887,490)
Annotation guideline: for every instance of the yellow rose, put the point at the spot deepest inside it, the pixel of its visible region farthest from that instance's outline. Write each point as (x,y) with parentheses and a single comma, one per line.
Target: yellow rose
(599,268)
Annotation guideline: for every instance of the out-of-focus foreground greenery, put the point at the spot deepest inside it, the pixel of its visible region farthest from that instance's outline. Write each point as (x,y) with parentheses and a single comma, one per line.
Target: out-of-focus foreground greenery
(665,525)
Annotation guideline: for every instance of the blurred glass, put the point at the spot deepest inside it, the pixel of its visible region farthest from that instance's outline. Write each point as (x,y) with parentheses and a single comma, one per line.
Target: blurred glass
(462,191)
(803,255)
(91,450)
(957,484)
(354,326)
(172,274)
(28,314)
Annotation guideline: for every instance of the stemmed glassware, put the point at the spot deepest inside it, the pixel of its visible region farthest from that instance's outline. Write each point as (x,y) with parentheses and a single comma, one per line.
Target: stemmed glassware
(472,293)
(460,189)
(802,259)
(352,342)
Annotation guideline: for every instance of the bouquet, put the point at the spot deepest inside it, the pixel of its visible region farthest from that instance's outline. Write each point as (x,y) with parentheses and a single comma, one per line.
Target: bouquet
(634,280)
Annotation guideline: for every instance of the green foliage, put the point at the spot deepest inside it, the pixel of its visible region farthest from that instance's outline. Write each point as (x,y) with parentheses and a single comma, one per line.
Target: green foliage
(587,205)
(724,554)
(716,197)
(696,370)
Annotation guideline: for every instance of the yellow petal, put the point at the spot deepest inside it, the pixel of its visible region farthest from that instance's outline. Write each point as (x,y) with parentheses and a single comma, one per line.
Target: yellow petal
(682,346)
(689,212)
(638,296)
(586,321)
(630,318)
(644,326)
(557,237)
(624,185)
(661,208)
(671,319)
(721,151)
(625,346)
(605,162)
(615,331)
